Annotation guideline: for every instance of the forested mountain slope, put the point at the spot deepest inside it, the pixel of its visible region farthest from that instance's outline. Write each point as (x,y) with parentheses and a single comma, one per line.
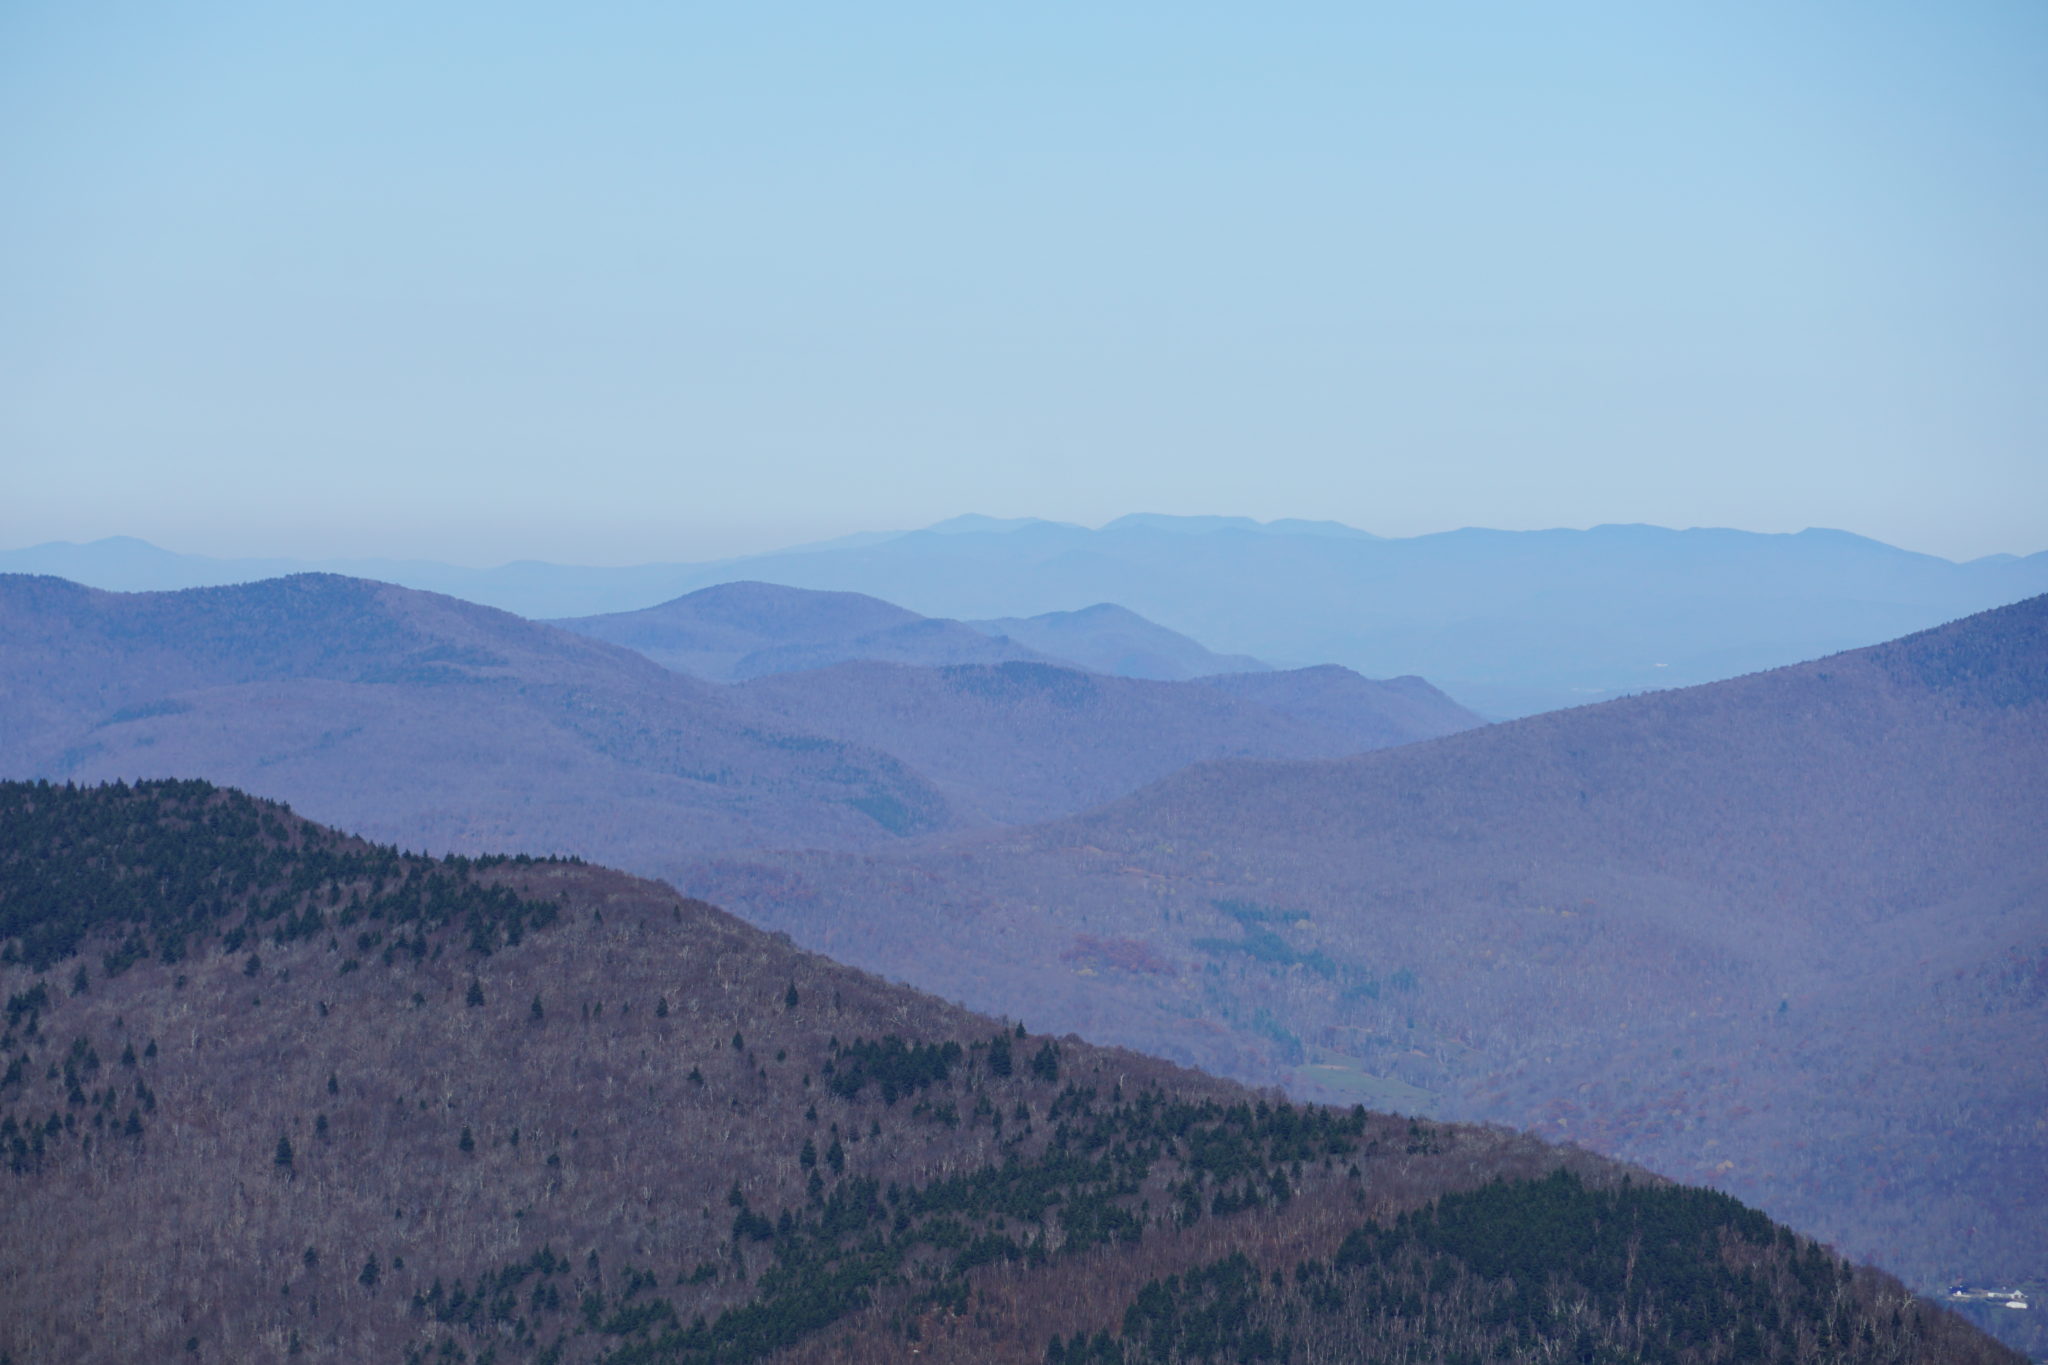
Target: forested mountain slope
(1016,742)
(274,1093)
(422,719)
(1784,933)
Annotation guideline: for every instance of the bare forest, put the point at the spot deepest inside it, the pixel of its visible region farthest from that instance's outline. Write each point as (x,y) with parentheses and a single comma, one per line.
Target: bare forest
(272,1092)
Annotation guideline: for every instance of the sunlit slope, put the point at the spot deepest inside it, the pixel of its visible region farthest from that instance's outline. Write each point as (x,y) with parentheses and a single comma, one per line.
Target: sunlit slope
(274,1092)
(1784,933)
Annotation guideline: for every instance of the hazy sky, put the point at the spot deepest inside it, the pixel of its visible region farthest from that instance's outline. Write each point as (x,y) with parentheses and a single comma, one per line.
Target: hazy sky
(669,281)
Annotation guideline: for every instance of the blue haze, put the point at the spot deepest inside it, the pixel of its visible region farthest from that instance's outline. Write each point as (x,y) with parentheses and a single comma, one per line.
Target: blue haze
(1506,622)
(651,282)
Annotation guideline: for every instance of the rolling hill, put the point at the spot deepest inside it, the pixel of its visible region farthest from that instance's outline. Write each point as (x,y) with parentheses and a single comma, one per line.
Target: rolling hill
(1508,622)
(1784,933)
(1106,638)
(437,723)
(733,631)
(271,1092)
(1015,742)
(421,718)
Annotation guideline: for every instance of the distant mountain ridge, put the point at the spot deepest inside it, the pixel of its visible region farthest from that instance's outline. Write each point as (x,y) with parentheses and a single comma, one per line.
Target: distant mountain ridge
(1107,638)
(734,631)
(1508,622)
(1783,933)
(420,718)
(431,721)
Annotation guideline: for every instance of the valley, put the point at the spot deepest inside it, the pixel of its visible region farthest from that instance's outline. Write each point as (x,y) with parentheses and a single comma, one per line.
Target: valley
(1777,935)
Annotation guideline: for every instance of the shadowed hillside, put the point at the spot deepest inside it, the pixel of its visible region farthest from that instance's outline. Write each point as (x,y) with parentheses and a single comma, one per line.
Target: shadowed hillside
(1783,933)
(1377,712)
(275,1093)
(1016,742)
(440,724)
(1106,638)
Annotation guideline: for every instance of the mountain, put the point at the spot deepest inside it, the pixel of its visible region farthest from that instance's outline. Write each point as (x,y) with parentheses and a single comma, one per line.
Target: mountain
(421,718)
(1376,712)
(1105,638)
(1016,742)
(272,1092)
(528,588)
(734,631)
(1782,933)
(743,630)
(437,723)
(1508,622)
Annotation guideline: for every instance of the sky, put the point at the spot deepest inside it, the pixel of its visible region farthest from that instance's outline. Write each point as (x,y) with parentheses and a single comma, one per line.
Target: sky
(634,282)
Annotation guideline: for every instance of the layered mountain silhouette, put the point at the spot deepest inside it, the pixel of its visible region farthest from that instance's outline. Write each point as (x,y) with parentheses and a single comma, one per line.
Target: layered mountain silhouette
(1508,622)
(1783,933)
(1107,638)
(421,718)
(1016,742)
(271,1092)
(438,723)
(735,631)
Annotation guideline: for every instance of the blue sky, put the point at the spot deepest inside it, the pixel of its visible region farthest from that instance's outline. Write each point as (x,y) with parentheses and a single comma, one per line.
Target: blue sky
(631,282)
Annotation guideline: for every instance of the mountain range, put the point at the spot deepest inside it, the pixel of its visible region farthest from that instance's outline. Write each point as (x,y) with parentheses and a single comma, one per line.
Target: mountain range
(734,631)
(272,1092)
(435,722)
(1784,934)
(1507,622)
